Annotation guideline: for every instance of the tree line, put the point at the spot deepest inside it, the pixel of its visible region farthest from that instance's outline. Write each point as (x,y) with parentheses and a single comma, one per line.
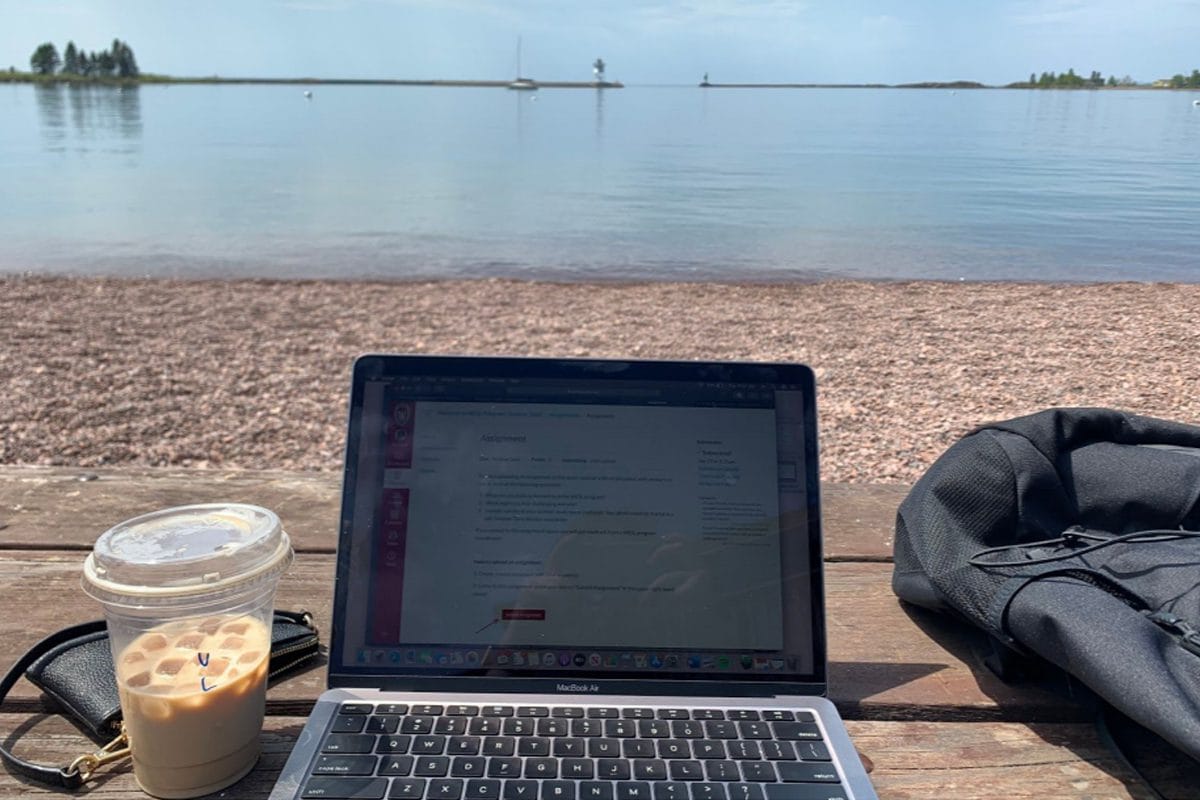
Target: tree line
(117,61)
(1069,80)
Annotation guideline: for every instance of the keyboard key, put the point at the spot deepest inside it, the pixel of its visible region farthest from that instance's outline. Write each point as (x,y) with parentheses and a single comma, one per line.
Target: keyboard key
(398,709)
(355,708)
(429,745)
(670,790)
(742,714)
(587,727)
(813,751)
(394,744)
(533,711)
(674,748)
(686,771)
(552,727)
(604,748)
(638,748)
(538,746)
(808,773)
(379,724)
(569,712)
(407,789)
(604,712)
(648,728)
(754,730)
(578,769)
(623,728)
(427,711)
(595,790)
(708,749)
(348,723)
(650,769)
(345,788)
(485,726)
(450,726)
(674,713)
(744,750)
(613,769)
(778,715)
(482,789)
(708,713)
(778,751)
(519,726)
(686,729)
(462,711)
(541,768)
(468,767)
(445,789)
(520,790)
(344,765)
(745,791)
(498,711)
(416,725)
(465,746)
(708,791)
(797,731)
(722,771)
(569,747)
(558,790)
(759,771)
(633,790)
(638,713)
(720,729)
(504,768)
(805,791)
(396,765)
(348,743)
(435,767)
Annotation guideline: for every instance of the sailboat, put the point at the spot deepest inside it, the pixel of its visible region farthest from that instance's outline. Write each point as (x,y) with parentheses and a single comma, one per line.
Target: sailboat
(524,84)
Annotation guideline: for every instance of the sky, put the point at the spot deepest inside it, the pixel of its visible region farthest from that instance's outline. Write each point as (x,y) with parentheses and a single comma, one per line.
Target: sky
(641,41)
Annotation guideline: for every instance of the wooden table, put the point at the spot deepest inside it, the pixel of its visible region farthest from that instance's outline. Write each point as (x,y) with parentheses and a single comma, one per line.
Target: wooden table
(913,689)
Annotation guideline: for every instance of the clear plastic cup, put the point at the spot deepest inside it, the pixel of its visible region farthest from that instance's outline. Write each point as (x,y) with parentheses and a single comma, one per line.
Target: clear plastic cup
(188,595)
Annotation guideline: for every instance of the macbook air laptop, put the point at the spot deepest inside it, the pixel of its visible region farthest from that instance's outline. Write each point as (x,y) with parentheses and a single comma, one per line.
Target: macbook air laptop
(576,579)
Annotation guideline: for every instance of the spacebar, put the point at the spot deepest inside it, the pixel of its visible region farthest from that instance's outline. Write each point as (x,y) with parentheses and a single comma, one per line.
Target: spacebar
(805,791)
(346,788)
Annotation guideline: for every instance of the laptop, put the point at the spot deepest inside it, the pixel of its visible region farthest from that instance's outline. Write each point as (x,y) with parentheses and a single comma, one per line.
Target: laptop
(577,579)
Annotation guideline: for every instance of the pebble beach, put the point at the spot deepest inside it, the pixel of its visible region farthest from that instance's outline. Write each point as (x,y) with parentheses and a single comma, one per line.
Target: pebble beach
(254,374)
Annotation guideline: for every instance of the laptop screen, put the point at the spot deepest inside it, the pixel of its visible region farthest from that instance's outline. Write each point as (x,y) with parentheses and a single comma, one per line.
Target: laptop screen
(579,520)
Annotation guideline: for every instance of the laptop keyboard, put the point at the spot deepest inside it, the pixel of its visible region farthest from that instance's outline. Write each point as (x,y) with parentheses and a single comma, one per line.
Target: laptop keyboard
(460,752)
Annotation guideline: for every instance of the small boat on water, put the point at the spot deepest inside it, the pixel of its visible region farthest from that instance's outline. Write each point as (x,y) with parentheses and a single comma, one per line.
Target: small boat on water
(522,84)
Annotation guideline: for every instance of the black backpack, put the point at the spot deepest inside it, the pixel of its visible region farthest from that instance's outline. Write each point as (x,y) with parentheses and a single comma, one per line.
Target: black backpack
(1071,536)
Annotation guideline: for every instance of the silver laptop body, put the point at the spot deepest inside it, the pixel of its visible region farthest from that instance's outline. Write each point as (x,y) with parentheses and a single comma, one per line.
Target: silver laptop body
(575,579)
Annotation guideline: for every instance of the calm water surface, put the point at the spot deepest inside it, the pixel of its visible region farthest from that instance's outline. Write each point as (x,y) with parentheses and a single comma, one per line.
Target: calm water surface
(644,182)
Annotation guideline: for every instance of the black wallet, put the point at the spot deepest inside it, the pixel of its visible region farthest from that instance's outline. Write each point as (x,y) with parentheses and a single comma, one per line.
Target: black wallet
(74,668)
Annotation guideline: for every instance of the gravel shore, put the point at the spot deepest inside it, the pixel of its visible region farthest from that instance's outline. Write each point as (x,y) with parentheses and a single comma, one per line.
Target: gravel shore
(254,374)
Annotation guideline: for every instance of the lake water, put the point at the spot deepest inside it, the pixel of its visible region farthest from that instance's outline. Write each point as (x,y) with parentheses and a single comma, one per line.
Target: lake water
(643,182)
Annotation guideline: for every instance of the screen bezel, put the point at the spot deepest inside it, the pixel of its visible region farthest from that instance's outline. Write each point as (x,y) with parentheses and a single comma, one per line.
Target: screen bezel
(393,677)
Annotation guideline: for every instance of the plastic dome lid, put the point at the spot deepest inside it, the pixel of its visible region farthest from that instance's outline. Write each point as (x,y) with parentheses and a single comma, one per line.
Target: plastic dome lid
(185,554)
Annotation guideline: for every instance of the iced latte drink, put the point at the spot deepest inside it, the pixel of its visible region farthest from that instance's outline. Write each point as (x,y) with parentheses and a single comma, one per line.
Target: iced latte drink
(193,696)
(188,595)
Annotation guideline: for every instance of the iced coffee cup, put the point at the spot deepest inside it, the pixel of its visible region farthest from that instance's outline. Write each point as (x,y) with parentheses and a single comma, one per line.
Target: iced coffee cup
(188,595)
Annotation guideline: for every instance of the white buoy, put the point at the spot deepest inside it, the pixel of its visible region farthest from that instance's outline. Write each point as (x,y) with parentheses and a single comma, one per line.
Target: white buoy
(308,95)
(1196,102)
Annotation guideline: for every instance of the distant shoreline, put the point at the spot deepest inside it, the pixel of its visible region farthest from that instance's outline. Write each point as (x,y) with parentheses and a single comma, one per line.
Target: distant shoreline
(163,80)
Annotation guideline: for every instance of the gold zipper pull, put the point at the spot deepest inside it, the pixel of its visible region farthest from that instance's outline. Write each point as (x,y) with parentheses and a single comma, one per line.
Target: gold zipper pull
(86,765)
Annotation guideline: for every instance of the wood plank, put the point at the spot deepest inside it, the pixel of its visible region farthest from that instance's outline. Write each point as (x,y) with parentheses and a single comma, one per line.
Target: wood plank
(57,507)
(913,761)
(886,662)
